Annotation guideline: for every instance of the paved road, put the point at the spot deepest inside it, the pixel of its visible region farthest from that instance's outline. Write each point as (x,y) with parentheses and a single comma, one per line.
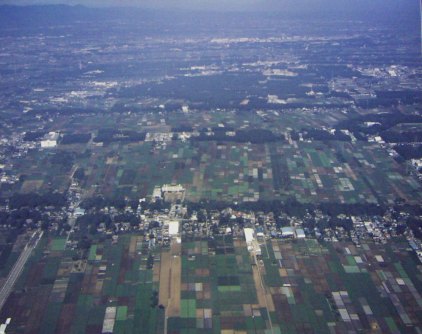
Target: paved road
(18,267)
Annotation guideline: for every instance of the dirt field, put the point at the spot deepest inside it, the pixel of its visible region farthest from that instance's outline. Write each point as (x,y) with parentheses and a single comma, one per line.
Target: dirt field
(264,298)
(132,246)
(260,292)
(175,277)
(270,303)
(164,292)
(176,248)
(31,185)
(156,273)
(66,316)
(176,280)
(170,280)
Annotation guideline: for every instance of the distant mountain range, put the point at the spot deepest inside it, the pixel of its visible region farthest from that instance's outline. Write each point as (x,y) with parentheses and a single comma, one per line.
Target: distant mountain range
(399,12)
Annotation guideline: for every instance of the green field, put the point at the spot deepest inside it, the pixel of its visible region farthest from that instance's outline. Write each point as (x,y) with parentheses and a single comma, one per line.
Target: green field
(309,171)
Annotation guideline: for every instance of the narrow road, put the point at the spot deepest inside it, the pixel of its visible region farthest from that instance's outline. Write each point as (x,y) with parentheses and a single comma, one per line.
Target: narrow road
(18,267)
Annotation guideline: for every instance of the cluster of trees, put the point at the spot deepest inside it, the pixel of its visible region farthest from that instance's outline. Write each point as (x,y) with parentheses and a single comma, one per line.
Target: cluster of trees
(150,261)
(33,200)
(293,207)
(18,218)
(154,297)
(317,134)
(128,177)
(330,222)
(254,136)
(107,136)
(75,138)
(281,176)
(405,96)
(99,202)
(402,137)
(382,122)
(409,151)
(390,98)
(79,174)
(415,223)
(334,70)
(208,92)
(182,128)
(118,202)
(66,111)
(90,222)
(127,218)
(62,158)
(34,135)
(305,211)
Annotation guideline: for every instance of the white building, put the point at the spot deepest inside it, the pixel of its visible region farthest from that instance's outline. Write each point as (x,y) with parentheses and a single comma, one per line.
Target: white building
(251,241)
(79,212)
(174,226)
(172,188)
(287,232)
(249,235)
(4,326)
(173,192)
(50,140)
(300,233)
(156,194)
(417,163)
(185,109)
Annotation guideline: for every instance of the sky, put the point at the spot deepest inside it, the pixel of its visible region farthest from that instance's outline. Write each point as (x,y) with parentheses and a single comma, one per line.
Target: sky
(345,5)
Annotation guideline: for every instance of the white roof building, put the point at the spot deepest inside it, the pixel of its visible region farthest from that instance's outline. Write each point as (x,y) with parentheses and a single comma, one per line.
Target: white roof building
(173,228)
(253,245)
(287,232)
(172,188)
(50,140)
(173,192)
(156,194)
(249,235)
(79,212)
(300,233)
(417,162)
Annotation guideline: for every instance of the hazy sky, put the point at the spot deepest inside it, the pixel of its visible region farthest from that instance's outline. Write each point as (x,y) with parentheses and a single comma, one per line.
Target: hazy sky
(235,4)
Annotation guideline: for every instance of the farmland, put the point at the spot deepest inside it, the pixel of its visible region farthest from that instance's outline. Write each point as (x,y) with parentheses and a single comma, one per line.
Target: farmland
(72,296)
(220,169)
(306,288)
(217,286)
